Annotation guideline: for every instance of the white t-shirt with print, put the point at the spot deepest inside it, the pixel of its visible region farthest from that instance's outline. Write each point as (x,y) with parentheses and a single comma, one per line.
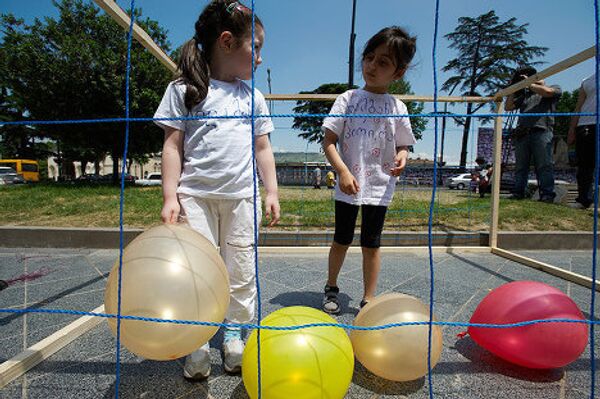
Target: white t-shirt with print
(589,105)
(217,153)
(368,145)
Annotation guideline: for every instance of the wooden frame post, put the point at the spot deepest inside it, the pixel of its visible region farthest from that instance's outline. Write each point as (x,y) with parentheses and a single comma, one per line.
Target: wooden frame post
(496,174)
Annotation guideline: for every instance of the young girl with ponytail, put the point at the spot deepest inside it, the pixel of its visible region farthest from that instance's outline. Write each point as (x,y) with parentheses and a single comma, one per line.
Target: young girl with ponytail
(207,165)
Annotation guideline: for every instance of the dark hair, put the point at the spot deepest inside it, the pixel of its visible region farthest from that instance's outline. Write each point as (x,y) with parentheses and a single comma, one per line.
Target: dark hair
(401,45)
(217,17)
(526,70)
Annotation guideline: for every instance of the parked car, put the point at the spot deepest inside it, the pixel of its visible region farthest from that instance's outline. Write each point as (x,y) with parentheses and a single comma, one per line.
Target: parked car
(91,179)
(102,179)
(6,170)
(459,182)
(129,179)
(153,179)
(9,176)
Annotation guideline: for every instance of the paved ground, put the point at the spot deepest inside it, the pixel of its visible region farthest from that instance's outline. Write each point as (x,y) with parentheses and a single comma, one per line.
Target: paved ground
(86,368)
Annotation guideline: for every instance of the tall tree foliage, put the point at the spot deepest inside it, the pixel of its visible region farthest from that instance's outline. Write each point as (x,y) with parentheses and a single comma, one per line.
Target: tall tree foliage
(16,141)
(311,126)
(566,103)
(73,67)
(488,50)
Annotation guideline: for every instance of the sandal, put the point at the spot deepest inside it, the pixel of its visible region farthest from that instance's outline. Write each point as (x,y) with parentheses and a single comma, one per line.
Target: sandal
(331,304)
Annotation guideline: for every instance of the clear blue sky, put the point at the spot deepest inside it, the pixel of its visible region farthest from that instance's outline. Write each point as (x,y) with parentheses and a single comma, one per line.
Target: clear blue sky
(307,43)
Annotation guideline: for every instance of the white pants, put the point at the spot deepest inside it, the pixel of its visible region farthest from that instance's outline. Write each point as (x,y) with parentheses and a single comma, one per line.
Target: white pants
(229,224)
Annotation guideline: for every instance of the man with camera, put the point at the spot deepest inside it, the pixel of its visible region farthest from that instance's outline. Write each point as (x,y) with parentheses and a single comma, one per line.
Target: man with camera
(532,138)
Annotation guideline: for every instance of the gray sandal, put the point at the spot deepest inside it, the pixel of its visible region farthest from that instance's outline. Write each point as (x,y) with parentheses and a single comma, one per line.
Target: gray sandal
(331,304)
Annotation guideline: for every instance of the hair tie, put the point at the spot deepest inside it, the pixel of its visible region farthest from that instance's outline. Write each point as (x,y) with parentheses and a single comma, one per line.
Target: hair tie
(236,5)
(198,43)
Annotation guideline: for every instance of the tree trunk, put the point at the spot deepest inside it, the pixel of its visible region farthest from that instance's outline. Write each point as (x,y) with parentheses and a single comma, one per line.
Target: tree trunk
(465,138)
(83,166)
(115,168)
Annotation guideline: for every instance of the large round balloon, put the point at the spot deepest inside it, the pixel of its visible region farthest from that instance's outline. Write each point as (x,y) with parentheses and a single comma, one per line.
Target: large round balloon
(540,346)
(310,363)
(397,353)
(169,272)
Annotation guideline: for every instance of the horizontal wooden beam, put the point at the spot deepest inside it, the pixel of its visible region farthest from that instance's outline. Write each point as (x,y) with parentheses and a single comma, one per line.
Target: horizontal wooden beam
(403,97)
(553,270)
(30,357)
(139,34)
(551,70)
(357,250)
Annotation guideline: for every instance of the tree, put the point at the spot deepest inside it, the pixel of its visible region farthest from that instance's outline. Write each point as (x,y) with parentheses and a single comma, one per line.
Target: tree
(566,103)
(16,141)
(488,53)
(417,123)
(311,126)
(73,67)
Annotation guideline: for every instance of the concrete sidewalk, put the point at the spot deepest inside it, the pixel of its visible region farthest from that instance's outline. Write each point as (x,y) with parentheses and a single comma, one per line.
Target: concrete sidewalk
(105,238)
(86,368)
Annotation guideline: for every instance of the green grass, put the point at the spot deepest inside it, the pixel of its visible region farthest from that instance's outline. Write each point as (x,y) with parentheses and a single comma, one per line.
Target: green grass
(302,208)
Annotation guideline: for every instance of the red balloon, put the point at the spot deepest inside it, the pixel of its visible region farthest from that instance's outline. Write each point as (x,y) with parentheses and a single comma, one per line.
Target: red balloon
(540,345)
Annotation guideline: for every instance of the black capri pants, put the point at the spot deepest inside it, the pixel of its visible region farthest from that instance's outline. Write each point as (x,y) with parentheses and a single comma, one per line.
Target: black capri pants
(373,217)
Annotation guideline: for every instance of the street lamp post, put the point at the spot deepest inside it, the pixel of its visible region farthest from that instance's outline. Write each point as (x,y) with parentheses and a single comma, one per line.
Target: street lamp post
(351,55)
(444,123)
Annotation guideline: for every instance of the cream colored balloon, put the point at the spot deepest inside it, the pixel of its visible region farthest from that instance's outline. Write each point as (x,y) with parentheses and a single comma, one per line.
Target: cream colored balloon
(397,353)
(169,272)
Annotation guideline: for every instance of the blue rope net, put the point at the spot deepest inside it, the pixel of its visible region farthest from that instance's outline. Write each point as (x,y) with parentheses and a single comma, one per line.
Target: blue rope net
(435,115)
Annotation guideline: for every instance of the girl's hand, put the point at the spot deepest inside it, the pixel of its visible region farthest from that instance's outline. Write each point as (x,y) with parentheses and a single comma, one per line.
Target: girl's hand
(272,210)
(170,212)
(348,184)
(400,162)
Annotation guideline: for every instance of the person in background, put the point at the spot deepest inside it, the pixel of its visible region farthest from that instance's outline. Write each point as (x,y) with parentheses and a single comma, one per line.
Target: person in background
(330,179)
(582,133)
(532,137)
(474,183)
(317,178)
(485,176)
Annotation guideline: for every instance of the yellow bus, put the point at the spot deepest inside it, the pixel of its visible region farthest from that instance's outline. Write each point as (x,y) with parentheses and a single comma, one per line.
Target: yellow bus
(28,168)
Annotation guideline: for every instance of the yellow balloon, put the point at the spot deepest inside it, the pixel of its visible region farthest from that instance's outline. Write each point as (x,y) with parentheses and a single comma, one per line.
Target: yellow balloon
(169,272)
(397,353)
(314,362)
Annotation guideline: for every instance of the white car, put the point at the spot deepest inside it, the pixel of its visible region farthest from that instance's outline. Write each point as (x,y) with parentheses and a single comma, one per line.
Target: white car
(9,176)
(459,182)
(153,179)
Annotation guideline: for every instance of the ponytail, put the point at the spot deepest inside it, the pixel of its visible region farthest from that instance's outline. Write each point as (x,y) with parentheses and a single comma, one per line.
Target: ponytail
(194,72)
(218,16)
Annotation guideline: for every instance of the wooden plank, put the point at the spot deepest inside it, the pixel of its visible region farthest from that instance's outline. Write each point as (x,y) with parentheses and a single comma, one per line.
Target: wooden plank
(545,267)
(139,34)
(30,357)
(551,70)
(121,17)
(357,250)
(403,97)
(496,174)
